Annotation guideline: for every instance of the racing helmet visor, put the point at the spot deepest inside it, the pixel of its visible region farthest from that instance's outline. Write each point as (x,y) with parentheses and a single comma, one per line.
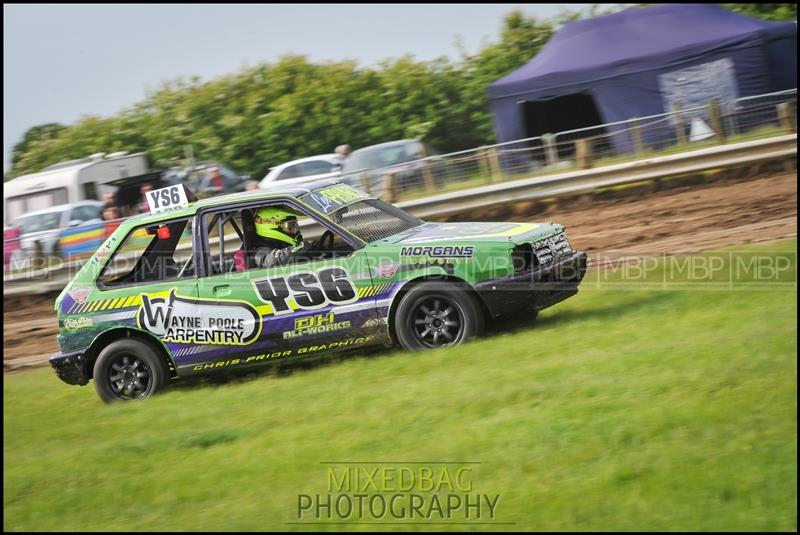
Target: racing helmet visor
(288,225)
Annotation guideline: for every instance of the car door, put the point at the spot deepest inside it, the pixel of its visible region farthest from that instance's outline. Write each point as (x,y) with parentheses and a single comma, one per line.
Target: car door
(305,308)
(149,284)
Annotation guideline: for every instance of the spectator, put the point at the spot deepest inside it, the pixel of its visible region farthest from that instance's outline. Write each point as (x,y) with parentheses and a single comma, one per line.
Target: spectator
(143,191)
(343,151)
(110,199)
(111,216)
(110,213)
(217,182)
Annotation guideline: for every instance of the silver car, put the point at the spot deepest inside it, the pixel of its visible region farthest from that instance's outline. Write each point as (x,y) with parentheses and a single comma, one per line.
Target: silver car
(308,169)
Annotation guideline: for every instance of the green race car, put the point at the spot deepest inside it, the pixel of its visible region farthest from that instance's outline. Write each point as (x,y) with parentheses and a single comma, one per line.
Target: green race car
(175,292)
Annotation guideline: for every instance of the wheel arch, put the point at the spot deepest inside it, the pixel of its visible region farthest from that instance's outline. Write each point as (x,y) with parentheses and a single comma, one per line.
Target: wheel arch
(118,333)
(426,278)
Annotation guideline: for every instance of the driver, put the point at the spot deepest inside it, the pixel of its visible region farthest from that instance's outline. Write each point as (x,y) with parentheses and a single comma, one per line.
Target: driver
(278,238)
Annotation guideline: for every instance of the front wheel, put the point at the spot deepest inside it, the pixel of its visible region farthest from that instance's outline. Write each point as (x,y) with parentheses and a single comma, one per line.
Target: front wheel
(128,369)
(437,314)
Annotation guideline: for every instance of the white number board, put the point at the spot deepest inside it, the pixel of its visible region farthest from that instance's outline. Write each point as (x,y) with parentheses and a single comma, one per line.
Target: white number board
(165,199)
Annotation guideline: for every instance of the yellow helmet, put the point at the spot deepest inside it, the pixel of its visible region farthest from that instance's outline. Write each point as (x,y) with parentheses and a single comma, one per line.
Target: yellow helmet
(278,224)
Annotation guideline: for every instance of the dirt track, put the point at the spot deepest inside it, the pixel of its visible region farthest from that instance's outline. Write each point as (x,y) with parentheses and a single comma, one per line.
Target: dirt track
(680,220)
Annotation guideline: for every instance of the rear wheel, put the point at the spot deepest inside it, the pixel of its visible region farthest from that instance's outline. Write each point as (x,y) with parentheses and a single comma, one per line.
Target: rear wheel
(128,369)
(437,314)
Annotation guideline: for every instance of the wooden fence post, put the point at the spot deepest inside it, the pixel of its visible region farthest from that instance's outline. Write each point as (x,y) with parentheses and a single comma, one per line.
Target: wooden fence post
(716,120)
(494,165)
(365,185)
(390,186)
(786,117)
(583,153)
(680,126)
(550,149)
(484,166)
(426,170)
(636,134)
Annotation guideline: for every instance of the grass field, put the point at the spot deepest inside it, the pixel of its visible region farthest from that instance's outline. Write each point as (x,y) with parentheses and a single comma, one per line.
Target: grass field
(621,409)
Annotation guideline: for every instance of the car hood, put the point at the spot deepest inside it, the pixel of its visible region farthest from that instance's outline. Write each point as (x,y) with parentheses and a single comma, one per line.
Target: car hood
(435,233)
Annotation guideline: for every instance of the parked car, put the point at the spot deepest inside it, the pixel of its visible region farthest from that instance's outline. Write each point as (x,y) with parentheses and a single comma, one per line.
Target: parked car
(60,230)
(303,170)
(366,274)
(367,167)
(206,179)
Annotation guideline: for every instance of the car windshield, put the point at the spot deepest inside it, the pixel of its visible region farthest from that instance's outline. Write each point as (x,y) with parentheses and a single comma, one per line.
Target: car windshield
(382,157)
(39,222)
(373,219)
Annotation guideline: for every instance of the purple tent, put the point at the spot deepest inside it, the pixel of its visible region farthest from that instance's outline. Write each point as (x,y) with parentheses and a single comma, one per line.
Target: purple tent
(638,62)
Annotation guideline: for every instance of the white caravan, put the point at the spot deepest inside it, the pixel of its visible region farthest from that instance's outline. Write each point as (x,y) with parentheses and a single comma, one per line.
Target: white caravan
(69,182)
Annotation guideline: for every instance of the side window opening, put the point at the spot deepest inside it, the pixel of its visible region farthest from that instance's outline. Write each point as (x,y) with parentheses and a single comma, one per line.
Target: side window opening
(293,171)
(19,205)
(152,253)
(89,190)
(221,252)
(85,213)
(316,167)
(248,239)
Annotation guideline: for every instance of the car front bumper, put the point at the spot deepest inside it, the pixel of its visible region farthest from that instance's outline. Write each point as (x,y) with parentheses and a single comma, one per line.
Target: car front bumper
(71,367)
(536,289)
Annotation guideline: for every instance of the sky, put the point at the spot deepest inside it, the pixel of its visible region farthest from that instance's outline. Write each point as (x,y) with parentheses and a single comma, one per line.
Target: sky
(62,62)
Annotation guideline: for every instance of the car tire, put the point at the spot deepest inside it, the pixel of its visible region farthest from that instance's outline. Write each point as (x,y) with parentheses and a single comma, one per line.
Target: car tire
(129,369)
(437,314)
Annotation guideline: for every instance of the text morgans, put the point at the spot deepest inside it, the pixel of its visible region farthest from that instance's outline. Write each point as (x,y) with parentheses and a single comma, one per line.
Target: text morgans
(449,251)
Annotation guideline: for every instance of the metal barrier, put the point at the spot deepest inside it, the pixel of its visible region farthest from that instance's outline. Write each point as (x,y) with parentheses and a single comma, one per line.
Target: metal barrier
(716,123)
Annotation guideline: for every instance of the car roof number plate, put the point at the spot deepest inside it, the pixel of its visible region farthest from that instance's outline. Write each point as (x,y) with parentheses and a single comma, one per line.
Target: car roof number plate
(167,199)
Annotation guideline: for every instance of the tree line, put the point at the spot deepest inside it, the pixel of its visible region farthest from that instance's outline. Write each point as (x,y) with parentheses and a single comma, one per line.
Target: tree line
(271,113)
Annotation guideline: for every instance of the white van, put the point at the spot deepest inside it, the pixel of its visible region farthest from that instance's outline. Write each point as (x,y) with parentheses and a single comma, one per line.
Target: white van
(69,182)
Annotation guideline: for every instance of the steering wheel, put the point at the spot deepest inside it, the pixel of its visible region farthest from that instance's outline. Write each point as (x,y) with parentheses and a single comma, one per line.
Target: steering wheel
(323,245)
